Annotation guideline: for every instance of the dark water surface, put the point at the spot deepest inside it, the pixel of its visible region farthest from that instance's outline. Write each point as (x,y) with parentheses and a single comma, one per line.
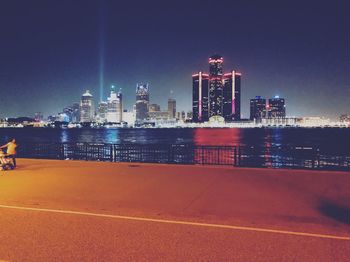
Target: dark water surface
(320,137)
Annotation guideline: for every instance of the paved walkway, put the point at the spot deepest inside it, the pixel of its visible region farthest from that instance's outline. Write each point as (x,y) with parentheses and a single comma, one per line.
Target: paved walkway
(91,211)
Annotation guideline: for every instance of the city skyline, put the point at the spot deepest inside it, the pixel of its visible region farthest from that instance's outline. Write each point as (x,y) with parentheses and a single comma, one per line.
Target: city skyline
(48,61)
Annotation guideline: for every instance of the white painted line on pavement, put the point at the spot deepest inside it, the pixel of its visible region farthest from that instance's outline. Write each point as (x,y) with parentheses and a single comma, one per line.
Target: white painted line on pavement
(166,221)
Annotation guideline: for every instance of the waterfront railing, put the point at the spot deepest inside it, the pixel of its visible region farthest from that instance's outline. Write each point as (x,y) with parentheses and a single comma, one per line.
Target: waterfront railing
(299,157)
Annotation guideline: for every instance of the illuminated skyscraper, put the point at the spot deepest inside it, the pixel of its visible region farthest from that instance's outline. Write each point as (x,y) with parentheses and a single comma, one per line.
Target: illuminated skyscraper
(172,108)
(216,95)
(76,113)
(257,108)
(200,97)
(232,96)
(102,112)
(276,108)
(216,85)
(87,109)
(142,101)
(129,117)
(114,106)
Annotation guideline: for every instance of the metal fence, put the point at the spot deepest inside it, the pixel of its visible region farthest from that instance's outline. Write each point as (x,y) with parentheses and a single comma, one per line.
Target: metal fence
(242,156)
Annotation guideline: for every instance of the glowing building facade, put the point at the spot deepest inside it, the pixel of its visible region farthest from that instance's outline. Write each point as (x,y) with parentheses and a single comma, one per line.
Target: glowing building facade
(276,108)
(216,95)
(200,97)
(257,108)
(76,113)
(216,85)
(114,106)
(232,96)
(171,108)
(87,109)
(142,102)
(102,112)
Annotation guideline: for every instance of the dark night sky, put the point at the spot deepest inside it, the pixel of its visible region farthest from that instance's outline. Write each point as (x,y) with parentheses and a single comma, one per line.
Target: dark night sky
(50,51)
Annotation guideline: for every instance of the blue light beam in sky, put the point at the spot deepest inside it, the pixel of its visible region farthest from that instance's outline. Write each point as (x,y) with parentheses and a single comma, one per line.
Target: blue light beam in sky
(101,47)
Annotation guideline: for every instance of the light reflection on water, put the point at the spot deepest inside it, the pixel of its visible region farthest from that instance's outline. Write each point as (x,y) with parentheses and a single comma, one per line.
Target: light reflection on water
(111,135)
(269,137)
(219,136)
(90,135)
(64,136)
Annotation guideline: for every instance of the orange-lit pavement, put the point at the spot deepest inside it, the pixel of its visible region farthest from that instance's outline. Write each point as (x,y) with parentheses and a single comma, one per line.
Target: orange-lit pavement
(91,211)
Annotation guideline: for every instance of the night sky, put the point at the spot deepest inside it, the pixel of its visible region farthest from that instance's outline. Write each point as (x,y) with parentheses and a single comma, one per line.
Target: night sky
(52,51)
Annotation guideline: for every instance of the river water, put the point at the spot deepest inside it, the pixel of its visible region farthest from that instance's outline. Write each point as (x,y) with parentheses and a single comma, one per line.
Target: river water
(320,137)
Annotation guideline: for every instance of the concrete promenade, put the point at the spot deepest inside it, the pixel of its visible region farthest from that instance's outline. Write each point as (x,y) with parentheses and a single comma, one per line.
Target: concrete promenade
(53,210)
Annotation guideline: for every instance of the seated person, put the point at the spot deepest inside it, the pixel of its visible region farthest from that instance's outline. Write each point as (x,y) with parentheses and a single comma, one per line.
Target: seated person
(11,150)
(3,160)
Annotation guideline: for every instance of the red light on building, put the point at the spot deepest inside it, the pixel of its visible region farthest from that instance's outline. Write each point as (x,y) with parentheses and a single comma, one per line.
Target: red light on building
(215,79)
(216,60)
